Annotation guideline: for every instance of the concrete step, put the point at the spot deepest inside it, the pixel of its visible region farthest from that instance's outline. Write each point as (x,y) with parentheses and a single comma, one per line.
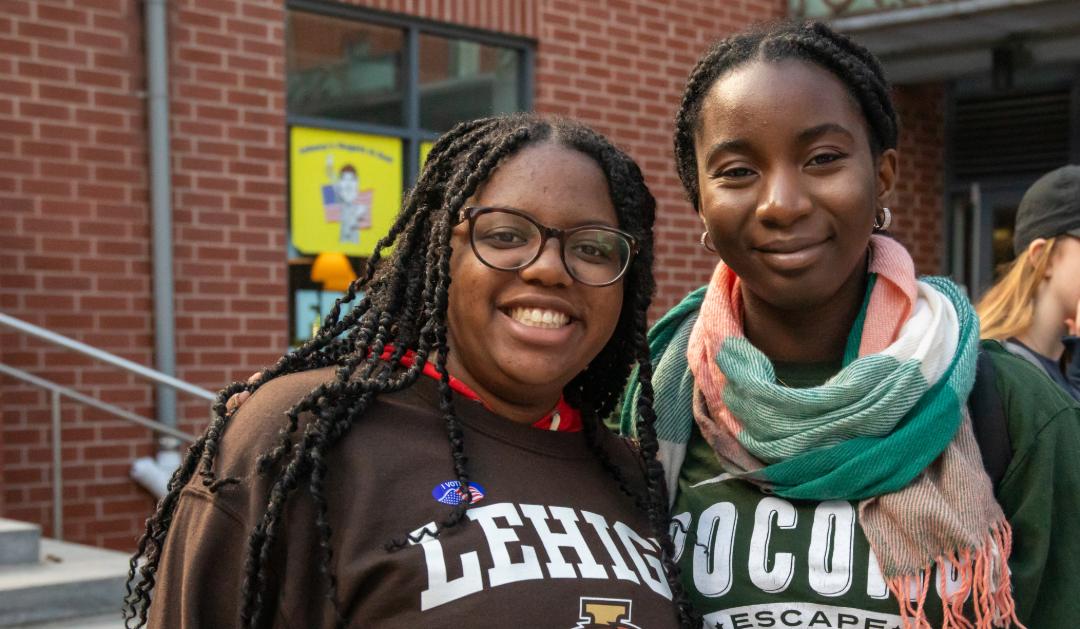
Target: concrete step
(20,542)
(109,621)
(71,581)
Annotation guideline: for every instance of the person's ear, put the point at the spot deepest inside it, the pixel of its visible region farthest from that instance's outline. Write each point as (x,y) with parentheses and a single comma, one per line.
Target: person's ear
(1035,250)
(888,170)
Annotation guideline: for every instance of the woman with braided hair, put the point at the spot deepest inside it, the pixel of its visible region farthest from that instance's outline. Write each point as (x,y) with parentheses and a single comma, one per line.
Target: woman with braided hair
(434,457)
(812,399)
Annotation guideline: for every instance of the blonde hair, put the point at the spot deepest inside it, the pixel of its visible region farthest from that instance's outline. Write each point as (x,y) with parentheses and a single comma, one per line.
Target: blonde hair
(1009,306)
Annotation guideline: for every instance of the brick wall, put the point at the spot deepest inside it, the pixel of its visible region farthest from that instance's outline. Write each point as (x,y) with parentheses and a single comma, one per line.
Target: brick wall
(75,230)
(75,252)
(75,222)
(918,219)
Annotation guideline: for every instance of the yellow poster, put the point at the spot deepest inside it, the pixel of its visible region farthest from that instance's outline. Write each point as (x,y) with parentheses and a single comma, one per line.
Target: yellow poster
(425,148)
(345,189)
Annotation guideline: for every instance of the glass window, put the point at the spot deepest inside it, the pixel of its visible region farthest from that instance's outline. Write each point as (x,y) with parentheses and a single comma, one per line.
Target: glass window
(344,69)
(461,80)
(363,114)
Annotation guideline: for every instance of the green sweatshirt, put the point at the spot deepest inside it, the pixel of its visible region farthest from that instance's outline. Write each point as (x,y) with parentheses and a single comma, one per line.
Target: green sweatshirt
(753,560)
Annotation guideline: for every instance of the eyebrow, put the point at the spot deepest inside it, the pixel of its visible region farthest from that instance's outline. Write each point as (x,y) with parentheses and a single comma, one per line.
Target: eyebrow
(740,145)
(814,133)
(580,223)
(736,145)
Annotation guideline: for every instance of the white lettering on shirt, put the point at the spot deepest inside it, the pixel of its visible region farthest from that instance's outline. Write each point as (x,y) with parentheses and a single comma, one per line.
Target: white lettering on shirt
(440,590)
(498,522)
(713,548)
(875,583)
(680,526)
(619,567)
(832,547)
(504,570)
(786,517)
(557,566)
(651,574)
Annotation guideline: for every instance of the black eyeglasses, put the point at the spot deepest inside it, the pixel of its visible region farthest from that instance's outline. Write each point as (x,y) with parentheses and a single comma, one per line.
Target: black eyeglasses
(509,240)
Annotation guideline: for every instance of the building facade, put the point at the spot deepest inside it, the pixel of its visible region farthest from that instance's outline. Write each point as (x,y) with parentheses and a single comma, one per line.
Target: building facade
(1003,79)
(278,114)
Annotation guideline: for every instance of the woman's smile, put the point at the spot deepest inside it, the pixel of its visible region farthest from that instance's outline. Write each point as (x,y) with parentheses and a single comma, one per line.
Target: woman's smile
(788,255)
(540,318)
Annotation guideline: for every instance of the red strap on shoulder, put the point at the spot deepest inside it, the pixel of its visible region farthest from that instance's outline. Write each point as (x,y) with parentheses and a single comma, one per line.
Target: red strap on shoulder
(563,418)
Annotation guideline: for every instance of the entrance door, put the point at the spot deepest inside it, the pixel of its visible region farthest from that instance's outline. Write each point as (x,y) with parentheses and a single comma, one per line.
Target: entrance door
(1000,143)
(983,217)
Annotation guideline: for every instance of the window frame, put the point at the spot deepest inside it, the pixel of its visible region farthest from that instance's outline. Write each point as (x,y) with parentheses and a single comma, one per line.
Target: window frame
(412,134)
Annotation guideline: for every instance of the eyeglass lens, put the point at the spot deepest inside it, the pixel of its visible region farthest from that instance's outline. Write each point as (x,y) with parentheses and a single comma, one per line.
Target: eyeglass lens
(508,241)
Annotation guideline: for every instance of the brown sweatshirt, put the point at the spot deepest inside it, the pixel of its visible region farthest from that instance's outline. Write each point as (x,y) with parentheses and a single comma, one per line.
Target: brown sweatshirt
(552,542)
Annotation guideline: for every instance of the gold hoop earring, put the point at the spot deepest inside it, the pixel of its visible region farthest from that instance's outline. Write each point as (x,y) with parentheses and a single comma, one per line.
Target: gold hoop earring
(882,220)
(705,242)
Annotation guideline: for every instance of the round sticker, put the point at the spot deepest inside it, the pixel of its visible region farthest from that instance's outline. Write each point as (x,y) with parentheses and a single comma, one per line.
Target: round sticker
(451,493)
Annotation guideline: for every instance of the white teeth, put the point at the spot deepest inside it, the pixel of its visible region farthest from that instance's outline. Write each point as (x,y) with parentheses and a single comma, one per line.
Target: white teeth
(539,318)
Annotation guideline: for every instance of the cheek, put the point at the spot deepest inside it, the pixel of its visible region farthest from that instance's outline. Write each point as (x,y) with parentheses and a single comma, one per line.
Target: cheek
(1069,279)
(724,212)
(607,305)
(465,292)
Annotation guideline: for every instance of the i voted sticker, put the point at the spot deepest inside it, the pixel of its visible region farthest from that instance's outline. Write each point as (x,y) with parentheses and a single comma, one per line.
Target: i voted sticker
(451,493)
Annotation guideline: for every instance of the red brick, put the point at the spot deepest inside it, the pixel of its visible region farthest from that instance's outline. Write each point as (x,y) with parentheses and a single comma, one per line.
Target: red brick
(36,31)
(67,133)
(100,40)
(10,87)
(55,150)
(38,110)
(112,61)
(109,156)
(117,101)
(97,117)
(16,127)
(15,47)
(62,54)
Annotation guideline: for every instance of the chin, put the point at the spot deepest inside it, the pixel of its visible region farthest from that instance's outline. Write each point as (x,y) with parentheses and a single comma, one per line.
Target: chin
(540,376)
(793,295)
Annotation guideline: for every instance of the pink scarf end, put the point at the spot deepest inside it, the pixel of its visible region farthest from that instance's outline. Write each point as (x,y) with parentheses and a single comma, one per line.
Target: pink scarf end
(984,576)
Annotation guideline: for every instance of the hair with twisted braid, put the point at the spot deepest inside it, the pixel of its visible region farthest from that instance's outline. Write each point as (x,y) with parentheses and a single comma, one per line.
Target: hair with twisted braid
(812,42)
(405,306)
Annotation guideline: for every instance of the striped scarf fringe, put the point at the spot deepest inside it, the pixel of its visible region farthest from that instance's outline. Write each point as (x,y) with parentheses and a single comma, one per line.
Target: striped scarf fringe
(983,578)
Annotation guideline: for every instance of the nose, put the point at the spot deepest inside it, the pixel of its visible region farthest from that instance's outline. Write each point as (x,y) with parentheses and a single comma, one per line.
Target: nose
(783,198)
(548,267)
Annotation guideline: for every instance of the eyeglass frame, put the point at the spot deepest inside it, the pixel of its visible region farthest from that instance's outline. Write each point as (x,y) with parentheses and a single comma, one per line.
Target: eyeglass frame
(470,213)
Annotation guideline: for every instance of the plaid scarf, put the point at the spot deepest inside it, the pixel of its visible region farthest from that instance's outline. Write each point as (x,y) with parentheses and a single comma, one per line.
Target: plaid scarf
(891,430)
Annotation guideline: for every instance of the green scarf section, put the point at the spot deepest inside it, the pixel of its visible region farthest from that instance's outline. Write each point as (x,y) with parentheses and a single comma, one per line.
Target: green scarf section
(869,430)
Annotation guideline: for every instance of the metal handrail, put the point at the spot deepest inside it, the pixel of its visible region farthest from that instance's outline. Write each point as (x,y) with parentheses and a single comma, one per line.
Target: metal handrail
(57,392)
(124,414)
(112,359)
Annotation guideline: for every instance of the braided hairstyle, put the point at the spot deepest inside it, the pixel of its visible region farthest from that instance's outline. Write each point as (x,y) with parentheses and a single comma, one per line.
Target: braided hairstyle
(813,42)
(404,306)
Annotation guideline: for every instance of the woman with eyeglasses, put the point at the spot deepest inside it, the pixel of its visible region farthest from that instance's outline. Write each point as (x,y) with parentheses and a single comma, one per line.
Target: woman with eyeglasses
(1034,309)
(435,456)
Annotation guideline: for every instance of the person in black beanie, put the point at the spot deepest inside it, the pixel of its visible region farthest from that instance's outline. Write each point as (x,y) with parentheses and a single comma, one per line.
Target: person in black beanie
(1035,308)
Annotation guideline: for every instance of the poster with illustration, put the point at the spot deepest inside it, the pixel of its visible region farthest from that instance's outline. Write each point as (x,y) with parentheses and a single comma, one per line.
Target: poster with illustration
(345,189)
